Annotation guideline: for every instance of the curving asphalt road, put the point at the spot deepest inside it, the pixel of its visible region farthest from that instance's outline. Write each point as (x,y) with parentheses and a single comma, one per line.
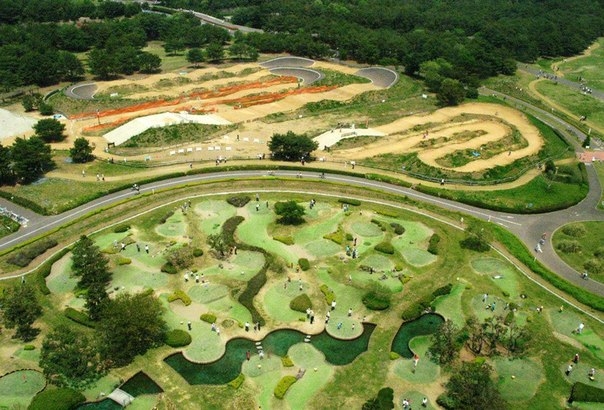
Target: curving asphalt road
(527,228)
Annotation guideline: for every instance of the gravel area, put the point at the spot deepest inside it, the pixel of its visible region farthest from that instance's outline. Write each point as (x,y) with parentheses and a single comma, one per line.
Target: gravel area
(12,124)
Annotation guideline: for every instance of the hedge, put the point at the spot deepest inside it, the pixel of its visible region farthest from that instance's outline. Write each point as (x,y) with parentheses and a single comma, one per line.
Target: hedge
(385,247)
(398,228)
(197,252)
(283,386)
(300,303)
(168,268)
(586,393)
(349,201)
(62,398)
(238,201)
(208,317)
(237,381)
(286,240)
(433,244)
(304,264)
(29,347)
(383,225)
(180,295)
(394,355)
(178,338)
(121,228)
(376,300)
(337,236)
(330,296)
(40,275)
(29,253)
(287,362)
(122,260)
(79,317)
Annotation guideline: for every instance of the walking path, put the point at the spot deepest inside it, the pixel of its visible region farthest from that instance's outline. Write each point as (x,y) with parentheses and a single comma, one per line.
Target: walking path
(527,228)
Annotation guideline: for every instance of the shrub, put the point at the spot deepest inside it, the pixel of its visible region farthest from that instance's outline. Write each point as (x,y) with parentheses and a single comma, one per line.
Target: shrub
(62,398)
(475,244)
(29,347)
(237,381)
(178,338)
(283,386)
(574,230)
(377,299)
(304,264)
(433,244)
(287,240)
(443,290)
(122,260)
(569,246)
(599,253)
(121,228)
(166,216)
(197,252)
(394,355)
(208,317)
(594,266)
(349,237)
(238,201)
(337,236)
(584,392)
(328,293)
(79,317)
(287,362)
(26,255)
(398,228)
(385,247)
(168,268)
(180,295)
(383,225)
(416,308)
(349,201)
(300,303)
(509,318)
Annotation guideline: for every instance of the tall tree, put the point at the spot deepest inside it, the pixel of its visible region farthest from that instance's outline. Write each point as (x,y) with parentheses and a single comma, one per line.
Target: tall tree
(81,151)
(195,56)
(446,345)
(290,213)
(50,130)
(7,176)
(96,299)
(89,264)
(20,309)
(149,62)
(129,326)
(291,147)
(70,358)
(471,388)
(215,52)
(451,92)
(31,158)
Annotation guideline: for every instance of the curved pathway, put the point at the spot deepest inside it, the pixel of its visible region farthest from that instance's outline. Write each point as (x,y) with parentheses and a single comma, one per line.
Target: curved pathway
(561,80)
(81,91)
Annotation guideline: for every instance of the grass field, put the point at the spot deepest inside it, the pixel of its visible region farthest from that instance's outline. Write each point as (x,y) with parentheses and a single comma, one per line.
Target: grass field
(589,247)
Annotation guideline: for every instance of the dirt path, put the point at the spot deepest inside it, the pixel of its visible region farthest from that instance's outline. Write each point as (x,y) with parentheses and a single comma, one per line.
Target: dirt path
(586,53)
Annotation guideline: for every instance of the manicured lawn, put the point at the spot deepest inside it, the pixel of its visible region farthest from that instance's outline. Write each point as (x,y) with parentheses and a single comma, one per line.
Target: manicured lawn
(18,388)
(518,379)
(590,242)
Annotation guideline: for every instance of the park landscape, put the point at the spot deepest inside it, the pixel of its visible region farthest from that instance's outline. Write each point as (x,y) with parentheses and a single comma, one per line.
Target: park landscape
(433,291)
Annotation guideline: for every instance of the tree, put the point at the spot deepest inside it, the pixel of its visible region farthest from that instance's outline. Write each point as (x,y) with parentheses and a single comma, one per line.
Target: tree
(96,299)
(383,401)
(218,244)
(69,66)
(50,130)
(102,64)
(31,158)
(31,101)
(451,92)
(181,258)
(215,52)
(195,56)
(70,358)
(291,147)
(81,151)
(129,326)
(471,388)
(20,309)
(478,237)
(89,264)
(174,45)
(149,62)
(7,177)
(446,345)
(291,213)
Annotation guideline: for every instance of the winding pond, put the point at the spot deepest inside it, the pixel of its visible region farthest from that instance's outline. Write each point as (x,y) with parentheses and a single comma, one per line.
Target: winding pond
(337,352)
(424,325)
(137,385)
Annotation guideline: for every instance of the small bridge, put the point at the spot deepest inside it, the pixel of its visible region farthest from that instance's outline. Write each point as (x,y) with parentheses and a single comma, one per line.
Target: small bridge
(121,397)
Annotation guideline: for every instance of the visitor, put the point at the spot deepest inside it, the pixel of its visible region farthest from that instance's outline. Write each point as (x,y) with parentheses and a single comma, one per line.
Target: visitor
(247,355)
(576,358)
(591,374)
(424,402)
(189,325)
(247,326)
(197,278)
(580,328)
(569,369)
(349,312)
(333,305)
(186,276)
(147,248)
(213,328)
(339,325)
(218,331)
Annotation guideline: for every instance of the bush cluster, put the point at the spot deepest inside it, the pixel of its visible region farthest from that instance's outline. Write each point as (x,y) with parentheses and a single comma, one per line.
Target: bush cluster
(62,398)
(197,252)
(349,201)
(398,228)
(28,254)
(385,247)
(300,303)
(79,317)
(474,243)
(433,244)
(122,260)
(374,300)
(584,392)
(304,264)
(383,225)
(287,362)
(44,270)
(419,306)
(166,216)
(594,266)
(330,296)
(286,240)
(394,355)
(29,347)
(168,268)
(180,295)
(238,201)
(283,386)
(178,338)
(121,228)
(569,246)
(208,317)
(337,236)
(237,381)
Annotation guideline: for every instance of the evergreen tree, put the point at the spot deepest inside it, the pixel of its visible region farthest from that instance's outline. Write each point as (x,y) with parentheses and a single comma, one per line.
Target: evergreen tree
(89,264)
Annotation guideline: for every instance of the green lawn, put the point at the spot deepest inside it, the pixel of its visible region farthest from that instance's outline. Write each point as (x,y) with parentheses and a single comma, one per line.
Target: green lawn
(591,247)
(591,67)
(18,388)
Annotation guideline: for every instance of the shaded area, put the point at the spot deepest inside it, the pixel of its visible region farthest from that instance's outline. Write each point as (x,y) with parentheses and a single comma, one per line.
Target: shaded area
(306,75)
(288,62)
(337,352)
(424,325)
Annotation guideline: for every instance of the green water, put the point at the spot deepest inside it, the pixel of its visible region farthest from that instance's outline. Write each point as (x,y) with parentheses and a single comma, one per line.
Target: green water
(424,325)
(337,352)
(137,385)
(105,404)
